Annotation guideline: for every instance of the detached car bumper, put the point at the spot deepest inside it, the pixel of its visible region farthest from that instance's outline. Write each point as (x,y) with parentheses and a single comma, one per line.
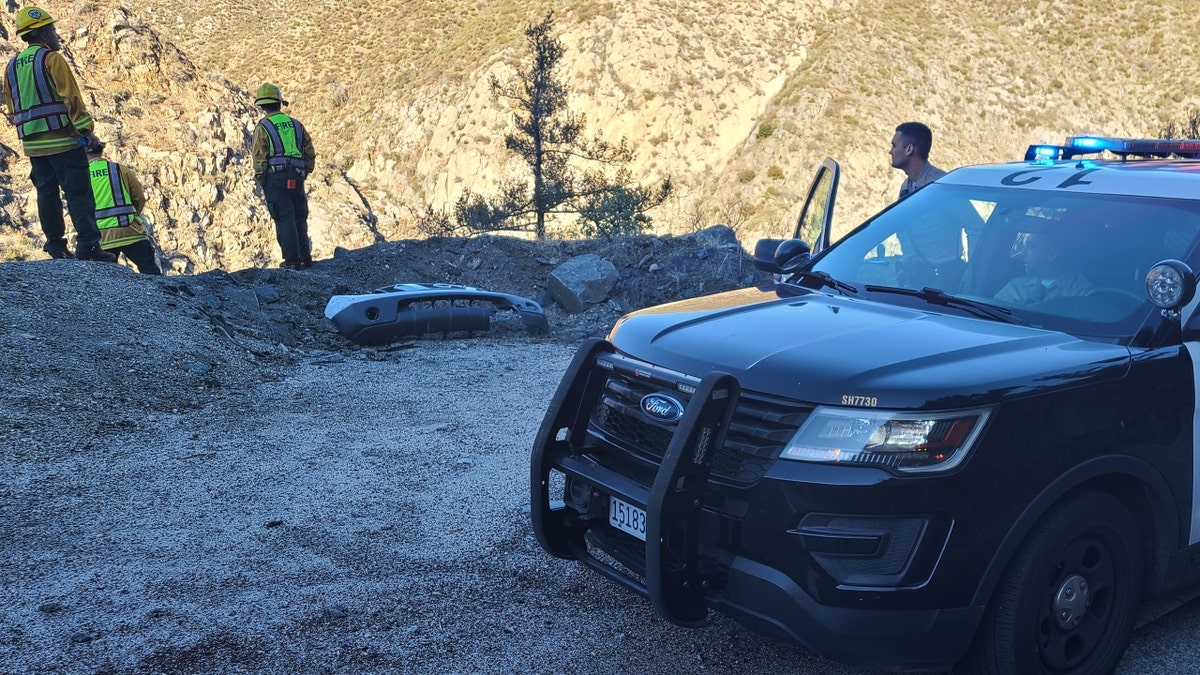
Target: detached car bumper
(392,312)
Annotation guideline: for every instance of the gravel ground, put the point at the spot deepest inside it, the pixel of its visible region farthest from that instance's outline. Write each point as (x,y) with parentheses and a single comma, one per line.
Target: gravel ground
(358,515)
(200,476)
(188,487)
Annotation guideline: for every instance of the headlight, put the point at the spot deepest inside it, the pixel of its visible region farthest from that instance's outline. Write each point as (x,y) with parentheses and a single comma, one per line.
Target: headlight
(906,442)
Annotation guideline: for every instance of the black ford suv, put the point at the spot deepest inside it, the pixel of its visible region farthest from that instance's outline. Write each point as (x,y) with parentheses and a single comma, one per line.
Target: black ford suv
(965,433)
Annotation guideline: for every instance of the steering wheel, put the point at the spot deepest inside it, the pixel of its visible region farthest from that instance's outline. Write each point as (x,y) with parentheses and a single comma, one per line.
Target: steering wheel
(1117,296)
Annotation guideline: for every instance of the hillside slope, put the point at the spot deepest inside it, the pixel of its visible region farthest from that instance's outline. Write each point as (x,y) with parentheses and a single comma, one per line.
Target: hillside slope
(736,101)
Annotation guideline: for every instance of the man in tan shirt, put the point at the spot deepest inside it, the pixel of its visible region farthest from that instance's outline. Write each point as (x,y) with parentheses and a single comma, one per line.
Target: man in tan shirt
(910,153)
(1048,272)
(932,247)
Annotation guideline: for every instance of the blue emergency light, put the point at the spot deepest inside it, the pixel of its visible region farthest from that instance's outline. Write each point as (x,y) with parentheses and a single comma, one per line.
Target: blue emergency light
(1122,147)
(1092,143)
(1043,153)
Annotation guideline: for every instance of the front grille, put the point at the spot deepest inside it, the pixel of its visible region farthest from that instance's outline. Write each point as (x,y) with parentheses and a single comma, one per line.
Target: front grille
(760,427)
(620,548)
(628,555)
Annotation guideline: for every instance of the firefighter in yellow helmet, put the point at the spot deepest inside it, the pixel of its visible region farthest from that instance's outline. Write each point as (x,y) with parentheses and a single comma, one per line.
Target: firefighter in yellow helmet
(119,203)
(282,154)
(46,105)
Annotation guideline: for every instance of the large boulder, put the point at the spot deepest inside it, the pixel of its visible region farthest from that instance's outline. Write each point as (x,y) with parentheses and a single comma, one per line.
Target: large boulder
(582,281)
(718,236)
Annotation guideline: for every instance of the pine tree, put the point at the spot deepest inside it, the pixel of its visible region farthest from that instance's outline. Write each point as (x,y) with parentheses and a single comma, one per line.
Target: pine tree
(567,172)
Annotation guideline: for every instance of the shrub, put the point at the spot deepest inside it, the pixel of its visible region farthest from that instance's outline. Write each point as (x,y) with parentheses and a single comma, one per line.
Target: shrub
(617,212)
(435,223)
(1187,126)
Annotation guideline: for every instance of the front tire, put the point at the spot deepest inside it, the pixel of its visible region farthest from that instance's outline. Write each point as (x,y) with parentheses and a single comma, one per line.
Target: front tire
(1068,602)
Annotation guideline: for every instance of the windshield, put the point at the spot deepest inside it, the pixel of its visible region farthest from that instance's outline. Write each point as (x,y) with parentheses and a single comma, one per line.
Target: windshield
(1071,262)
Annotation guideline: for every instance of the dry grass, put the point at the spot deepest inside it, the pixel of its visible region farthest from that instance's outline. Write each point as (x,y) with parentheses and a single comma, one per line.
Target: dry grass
(19,245)
(988,86)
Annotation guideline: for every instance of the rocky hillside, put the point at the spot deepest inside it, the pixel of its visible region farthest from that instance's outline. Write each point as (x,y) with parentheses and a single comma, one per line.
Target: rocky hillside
(187,135)
(736,101)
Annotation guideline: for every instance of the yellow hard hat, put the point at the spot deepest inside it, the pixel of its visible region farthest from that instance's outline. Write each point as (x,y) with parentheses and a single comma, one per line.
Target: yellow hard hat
(32,18)
(269,93)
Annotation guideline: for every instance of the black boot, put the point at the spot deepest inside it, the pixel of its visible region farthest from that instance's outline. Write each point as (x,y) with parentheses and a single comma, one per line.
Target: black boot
(94,252)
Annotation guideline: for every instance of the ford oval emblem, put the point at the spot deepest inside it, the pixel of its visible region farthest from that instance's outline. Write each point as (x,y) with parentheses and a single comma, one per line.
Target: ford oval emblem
(662,408)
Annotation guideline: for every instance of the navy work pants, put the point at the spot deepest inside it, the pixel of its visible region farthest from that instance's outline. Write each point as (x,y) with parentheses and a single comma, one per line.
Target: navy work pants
(66,171)
(140,253)
(288,206)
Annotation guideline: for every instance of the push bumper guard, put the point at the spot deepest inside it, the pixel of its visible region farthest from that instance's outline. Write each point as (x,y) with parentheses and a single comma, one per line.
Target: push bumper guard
(673,503)
(392,312)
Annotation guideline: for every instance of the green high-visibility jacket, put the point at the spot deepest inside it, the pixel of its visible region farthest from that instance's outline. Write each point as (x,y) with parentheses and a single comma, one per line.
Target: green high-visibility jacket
(37,107)
(285,137)
(116,212)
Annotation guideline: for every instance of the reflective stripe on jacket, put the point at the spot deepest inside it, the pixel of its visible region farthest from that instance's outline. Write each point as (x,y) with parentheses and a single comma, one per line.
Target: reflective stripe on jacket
(285,137)
(116,216)
(37,107)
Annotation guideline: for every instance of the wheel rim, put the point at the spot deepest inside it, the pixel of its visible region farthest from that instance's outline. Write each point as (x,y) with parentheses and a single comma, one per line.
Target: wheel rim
(1071,602)
(1079,604)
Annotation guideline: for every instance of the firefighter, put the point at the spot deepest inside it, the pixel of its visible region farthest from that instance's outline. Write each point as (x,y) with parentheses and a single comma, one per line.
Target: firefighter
(282,154)
(46,105)
(119,202)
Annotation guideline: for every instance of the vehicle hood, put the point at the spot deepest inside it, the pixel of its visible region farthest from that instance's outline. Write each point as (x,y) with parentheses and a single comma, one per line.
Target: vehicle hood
(823,348)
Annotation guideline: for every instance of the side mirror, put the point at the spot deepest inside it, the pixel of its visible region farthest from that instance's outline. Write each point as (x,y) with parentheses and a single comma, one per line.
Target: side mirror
(1170,285)
(791,255)
(764,255)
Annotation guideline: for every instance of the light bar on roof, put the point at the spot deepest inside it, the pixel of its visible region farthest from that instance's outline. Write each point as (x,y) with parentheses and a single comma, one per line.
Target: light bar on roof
(1089,145)
(1147,147)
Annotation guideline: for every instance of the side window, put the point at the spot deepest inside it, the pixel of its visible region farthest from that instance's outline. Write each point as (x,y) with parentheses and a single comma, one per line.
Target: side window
(816,216)
(813,220)
(888,248)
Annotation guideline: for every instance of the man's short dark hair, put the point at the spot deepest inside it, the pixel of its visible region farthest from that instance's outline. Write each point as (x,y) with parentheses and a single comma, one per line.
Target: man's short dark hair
(270,107)
(919,135)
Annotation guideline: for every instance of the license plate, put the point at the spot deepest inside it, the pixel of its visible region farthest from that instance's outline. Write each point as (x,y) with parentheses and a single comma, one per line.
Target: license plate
(627,517)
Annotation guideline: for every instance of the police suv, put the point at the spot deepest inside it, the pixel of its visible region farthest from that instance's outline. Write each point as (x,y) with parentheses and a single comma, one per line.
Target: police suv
(964,434)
